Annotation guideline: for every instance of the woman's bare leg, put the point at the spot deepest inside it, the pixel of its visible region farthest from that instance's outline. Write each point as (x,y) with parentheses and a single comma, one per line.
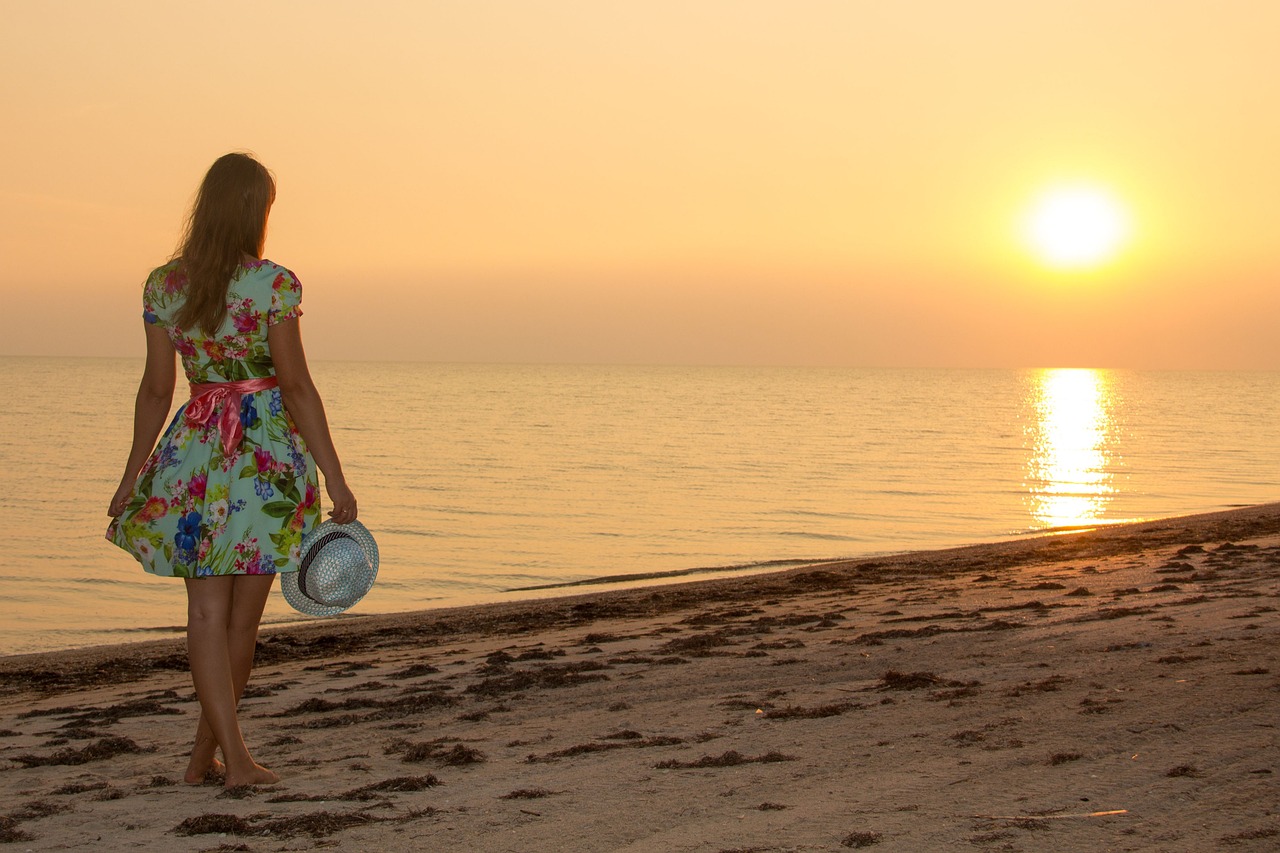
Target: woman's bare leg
(222,629)
(242,635)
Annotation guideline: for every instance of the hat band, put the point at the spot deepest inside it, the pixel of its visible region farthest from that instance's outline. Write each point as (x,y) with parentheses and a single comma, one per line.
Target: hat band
(310,557)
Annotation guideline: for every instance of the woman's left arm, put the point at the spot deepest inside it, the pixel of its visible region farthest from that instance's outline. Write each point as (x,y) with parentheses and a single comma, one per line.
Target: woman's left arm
(155,396)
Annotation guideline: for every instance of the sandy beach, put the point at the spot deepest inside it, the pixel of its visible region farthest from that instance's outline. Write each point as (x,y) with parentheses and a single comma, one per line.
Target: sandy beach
(1110,690)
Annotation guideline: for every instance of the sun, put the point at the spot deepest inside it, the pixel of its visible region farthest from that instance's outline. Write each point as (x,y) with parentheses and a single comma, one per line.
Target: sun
(1076,227)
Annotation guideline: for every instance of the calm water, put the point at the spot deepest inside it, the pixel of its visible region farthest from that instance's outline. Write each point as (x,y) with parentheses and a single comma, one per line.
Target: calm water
(481,479)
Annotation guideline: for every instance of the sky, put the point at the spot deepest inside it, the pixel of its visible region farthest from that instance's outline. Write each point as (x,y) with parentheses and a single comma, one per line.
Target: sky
(808,182)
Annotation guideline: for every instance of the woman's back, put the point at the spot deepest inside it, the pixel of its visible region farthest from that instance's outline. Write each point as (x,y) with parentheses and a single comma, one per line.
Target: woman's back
(262,293)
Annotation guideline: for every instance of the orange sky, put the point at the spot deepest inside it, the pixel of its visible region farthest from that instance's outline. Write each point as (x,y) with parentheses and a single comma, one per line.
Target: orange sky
(668,181)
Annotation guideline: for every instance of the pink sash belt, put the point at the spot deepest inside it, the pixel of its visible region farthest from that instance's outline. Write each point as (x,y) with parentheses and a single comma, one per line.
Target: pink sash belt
(206,397)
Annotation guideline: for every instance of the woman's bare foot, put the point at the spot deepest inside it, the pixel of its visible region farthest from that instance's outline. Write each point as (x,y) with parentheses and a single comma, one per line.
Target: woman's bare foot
(203,763)
(213,772)
(256,775)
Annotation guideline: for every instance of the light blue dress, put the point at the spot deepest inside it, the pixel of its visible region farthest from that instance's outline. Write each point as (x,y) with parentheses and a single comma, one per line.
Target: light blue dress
(201,509)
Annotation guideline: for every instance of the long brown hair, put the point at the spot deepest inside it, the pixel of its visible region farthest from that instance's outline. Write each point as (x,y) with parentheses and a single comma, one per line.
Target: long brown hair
(227,222)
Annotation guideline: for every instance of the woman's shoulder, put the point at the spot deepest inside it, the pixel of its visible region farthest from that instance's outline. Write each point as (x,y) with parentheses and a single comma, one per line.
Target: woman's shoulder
(272,288)
(163,288)
(265,276)
(268,269)
(164,272)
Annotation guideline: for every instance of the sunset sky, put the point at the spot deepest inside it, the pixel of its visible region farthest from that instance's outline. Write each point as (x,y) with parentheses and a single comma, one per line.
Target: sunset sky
(808,182)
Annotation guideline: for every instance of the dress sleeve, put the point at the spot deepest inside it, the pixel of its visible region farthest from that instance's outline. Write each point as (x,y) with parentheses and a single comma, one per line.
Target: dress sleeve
(153,298)
(286,298)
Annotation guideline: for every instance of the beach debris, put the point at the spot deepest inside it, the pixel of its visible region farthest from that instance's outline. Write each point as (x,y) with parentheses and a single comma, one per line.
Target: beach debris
(587,748)
(9,832)
(209,824)
(115,713)
(968,736)
(79,788)
(1047,685)
(37,809)
(731,758)
(544,677)
(1040,817)
(529,794)
(1250,835)
(861,839)
(108,747)
(365,793)
(443,751)
(795,712)
(623,734)
(410,703)
(315,824)
(417,670)
(894,680)
(239,792)
(698,645)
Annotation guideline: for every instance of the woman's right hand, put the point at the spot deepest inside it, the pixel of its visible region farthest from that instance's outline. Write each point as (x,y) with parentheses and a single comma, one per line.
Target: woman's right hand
(342,499)
(120,500)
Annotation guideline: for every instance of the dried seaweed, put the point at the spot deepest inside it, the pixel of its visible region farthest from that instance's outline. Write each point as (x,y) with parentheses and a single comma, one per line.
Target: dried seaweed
(795,712)
(9,832)
(108,747)
(78,788)
(416,670)
(209,824)
(587,748)
(861,839)
(894,680)
(445,752)
(37,809)
(527,794)
(550,676)
(731,758)
(374,791)
(698,645)
(315,824)
(406,705)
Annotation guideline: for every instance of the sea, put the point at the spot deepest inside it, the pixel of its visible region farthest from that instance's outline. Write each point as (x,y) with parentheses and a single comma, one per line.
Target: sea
(497,482)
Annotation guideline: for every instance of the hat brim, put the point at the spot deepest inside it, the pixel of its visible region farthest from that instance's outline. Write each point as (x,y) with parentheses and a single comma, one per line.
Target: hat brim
(311,544)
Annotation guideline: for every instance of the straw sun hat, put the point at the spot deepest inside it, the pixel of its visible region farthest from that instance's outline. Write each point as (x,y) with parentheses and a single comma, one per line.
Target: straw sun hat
(338,566)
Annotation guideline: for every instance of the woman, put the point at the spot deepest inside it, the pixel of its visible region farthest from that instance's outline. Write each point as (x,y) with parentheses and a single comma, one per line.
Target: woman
(224,499)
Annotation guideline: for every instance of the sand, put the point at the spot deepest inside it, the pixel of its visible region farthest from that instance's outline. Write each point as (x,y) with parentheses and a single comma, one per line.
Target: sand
(1111,690)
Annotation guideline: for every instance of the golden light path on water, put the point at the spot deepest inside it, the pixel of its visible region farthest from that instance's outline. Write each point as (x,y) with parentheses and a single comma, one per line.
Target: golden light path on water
(1069,474)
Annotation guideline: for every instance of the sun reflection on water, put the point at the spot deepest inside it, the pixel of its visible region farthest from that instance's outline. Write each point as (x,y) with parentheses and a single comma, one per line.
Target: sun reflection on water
(1069,477)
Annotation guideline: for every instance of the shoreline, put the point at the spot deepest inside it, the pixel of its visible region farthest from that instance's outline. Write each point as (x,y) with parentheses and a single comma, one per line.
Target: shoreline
(551,591)
(1078,691)
(1102,540)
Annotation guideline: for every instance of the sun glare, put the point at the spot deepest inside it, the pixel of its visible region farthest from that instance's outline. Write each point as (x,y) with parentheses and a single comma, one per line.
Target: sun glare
(1076,227)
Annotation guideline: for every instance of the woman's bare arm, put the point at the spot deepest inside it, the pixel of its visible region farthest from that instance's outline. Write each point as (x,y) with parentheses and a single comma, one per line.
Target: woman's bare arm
(155,396)
(307,410)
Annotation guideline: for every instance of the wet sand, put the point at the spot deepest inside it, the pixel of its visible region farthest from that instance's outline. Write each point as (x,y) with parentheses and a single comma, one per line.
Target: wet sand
(1111,690)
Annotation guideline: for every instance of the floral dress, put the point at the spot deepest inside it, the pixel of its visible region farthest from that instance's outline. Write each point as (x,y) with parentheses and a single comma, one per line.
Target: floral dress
(202,509)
